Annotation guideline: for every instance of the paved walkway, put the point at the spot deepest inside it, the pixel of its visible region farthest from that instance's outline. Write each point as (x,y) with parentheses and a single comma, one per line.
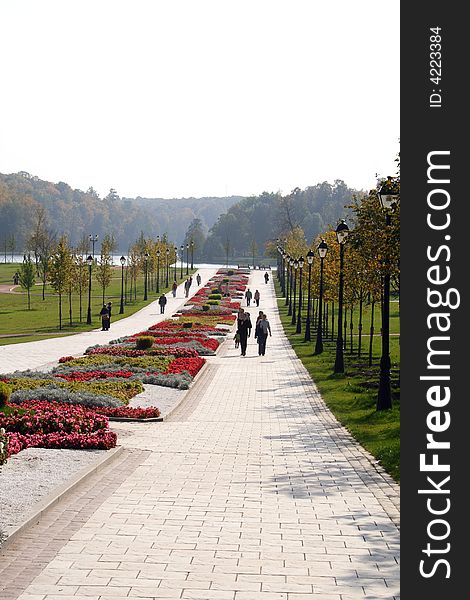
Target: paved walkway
(30,355)
(251,491)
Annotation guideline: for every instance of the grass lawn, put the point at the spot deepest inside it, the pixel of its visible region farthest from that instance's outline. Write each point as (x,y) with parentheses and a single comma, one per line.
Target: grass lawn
(18,324)
(352,397)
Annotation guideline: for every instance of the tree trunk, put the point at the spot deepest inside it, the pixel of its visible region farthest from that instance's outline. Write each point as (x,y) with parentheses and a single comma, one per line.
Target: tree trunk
(60,310)
(70,307)
(371,339)
(29,298)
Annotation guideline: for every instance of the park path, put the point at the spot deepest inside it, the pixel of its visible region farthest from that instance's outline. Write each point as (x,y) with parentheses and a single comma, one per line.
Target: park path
(31,355)
(250,491)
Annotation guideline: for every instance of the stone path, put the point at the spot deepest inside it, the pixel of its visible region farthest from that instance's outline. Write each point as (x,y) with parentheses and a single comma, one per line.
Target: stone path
(250,491)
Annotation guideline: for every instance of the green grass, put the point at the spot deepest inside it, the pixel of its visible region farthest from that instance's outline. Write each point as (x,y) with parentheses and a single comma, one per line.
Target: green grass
(18,324)
(352,397)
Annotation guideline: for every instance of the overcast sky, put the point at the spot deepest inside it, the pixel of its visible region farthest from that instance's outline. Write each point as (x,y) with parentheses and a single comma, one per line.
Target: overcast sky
(173,98)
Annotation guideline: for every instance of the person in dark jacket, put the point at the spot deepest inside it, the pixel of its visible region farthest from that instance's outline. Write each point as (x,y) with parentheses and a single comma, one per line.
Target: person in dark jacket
(104,314)
(162,301)
(244,329)
(266,278)
(109,306)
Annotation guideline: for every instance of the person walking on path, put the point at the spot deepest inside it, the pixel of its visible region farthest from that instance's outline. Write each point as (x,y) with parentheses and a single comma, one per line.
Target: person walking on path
(257,297)
(162,301)
(186,288)
(174,287)
(109,307)
(266,278)
(16,278)
(104,314)
(198,279)
(248,296)
(261,334)
(244,329)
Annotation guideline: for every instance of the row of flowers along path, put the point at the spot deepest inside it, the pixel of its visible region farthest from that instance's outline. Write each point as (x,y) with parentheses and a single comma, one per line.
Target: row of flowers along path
(69,406)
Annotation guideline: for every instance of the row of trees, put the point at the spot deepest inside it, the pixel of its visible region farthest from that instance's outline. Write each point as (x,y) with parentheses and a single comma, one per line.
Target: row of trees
(64,267)
(372,251)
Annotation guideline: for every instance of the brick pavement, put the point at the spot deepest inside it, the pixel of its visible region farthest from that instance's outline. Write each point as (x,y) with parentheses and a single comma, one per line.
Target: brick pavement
(250,491)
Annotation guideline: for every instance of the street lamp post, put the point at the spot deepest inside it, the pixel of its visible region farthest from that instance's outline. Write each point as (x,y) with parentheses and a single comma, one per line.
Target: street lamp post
(176,260)
(167,275)
(182,258)
(158,272)
(89,261)
(322,252)
(298,328)
(388,195)
(123,261)
(310,255)
(146,258)
(187,259)
(192,254)
(291,284)
(342,231)
(93,239)
(286,260)
(296,266)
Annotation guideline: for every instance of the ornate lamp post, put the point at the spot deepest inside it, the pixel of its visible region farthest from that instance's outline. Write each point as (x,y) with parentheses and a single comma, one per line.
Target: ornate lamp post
(123,262)
(291,284)
(342,231)
(388,195)
(167,274)
(286,276)
(298,328)
(146,258)
(158,272)
(89,262)
(322,252)
(192,254)
(176,260)
(310,255)
(93,239)
(182,258)
(187,259)
(296,266)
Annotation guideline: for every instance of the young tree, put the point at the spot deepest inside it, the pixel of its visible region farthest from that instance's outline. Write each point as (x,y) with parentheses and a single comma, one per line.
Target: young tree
(104,269)
(12,245)
(80,279)
(27,280)
(60,271)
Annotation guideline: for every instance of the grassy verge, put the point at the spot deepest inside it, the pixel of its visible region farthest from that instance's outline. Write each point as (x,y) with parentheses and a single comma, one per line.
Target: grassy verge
(19,324)
(352,397)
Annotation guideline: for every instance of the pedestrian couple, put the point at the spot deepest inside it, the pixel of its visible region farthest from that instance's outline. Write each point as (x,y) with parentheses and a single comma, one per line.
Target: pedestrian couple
(187,284)
(105,314)
(249,296)
(262,329)
(244,327)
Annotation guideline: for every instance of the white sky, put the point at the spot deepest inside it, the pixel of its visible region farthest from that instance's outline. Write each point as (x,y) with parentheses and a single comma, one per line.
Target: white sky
(174,98)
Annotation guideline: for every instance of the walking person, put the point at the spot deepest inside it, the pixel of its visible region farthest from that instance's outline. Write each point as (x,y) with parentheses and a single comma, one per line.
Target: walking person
(266,278)
(257,297)
(261,334)
(109,307)
(198,279)
(104,314)
(174,287)
(186,288)
(162,301)
(248,296)
(244,329)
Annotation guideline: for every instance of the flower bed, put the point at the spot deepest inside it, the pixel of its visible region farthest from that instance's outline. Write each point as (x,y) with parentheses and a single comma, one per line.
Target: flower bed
(56,425)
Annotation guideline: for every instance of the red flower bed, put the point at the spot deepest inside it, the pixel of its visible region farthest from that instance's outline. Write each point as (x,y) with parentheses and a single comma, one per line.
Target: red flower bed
(63,359)
(191,365)
(56,425)
(89,375)
(101,440)
(124,351)
(129,412)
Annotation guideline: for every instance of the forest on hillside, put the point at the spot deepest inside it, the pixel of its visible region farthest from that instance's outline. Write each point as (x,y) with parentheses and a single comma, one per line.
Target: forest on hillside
(76,214)
(220,228)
